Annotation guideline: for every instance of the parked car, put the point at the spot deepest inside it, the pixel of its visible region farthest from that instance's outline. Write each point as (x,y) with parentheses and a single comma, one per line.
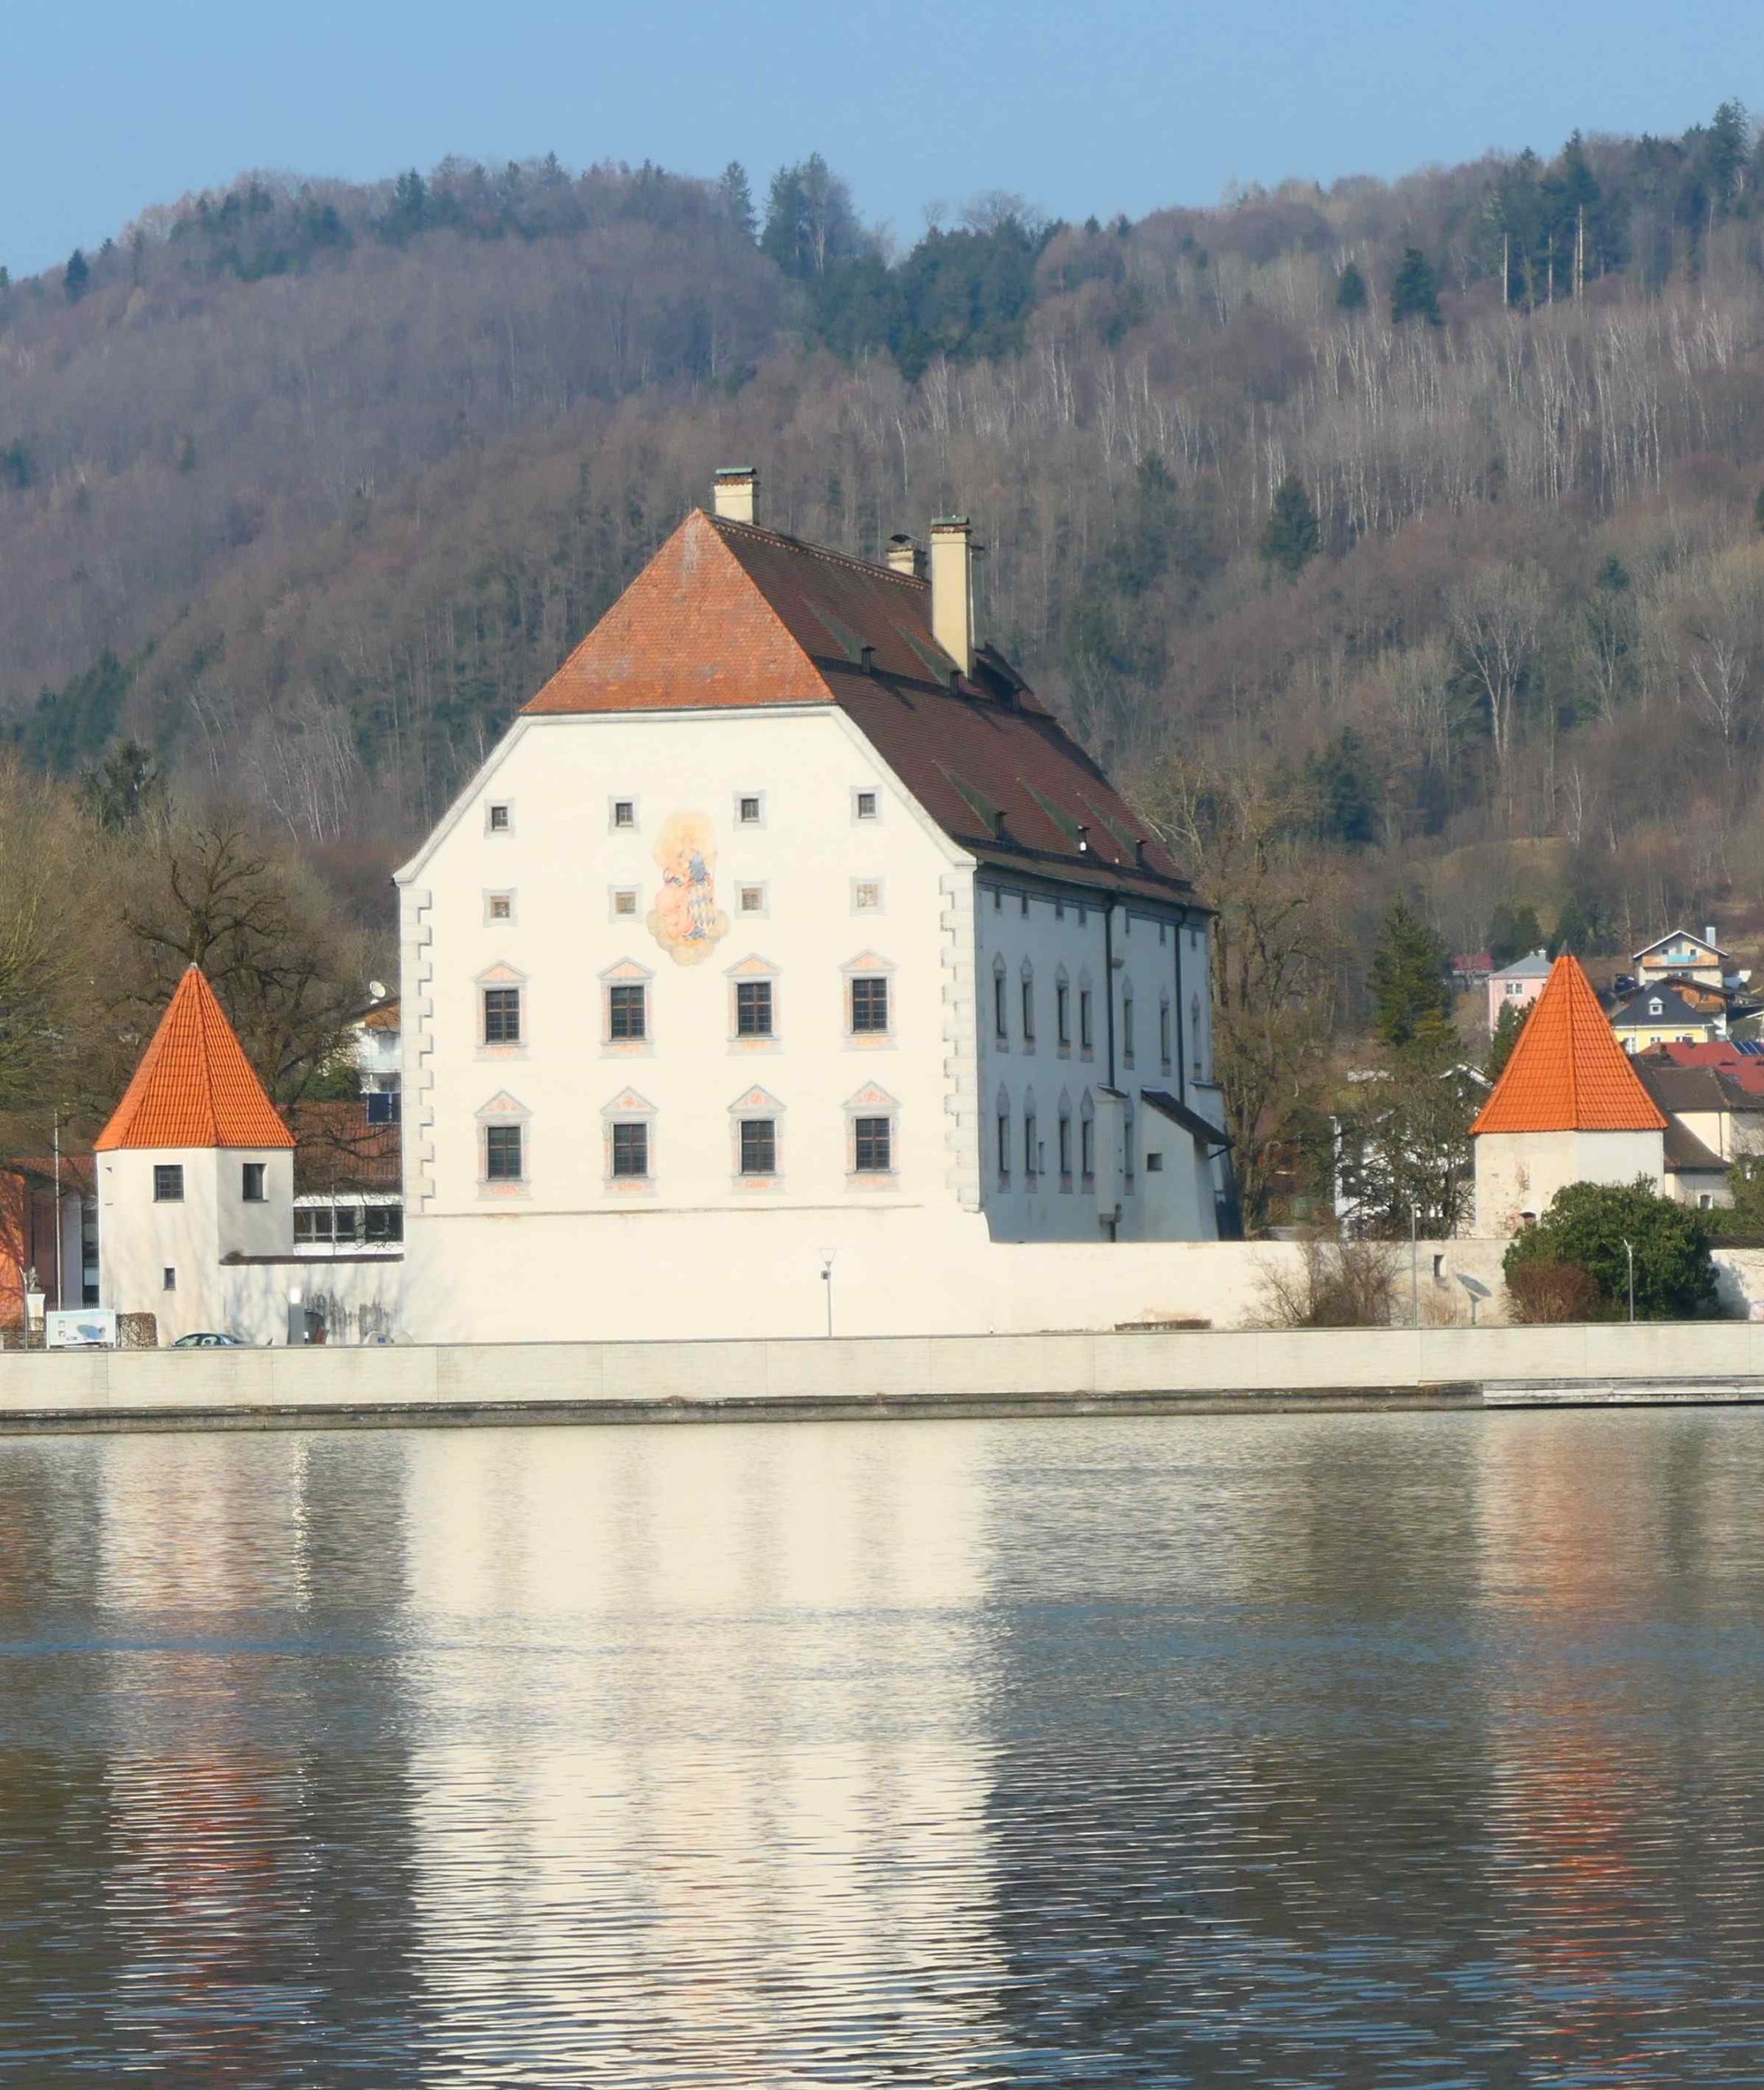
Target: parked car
(206,1342)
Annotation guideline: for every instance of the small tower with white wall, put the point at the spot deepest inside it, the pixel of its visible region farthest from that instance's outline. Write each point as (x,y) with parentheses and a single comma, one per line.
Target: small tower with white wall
(195,1167)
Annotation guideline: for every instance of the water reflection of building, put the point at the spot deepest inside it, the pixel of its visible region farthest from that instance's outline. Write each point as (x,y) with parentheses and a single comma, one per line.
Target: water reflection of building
(704,1782)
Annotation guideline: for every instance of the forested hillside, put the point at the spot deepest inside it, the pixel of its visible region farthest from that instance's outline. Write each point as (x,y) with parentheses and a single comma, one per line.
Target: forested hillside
(1436,509)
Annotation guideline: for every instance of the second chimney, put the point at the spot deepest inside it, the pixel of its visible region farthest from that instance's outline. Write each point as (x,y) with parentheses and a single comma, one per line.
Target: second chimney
(734,493)
(953,589)
(905,556)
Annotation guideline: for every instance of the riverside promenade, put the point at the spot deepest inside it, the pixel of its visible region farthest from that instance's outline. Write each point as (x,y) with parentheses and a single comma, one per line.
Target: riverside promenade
(1133,1371)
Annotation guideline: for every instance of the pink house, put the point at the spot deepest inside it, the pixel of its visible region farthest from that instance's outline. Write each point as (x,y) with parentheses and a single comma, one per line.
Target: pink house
(1517,985)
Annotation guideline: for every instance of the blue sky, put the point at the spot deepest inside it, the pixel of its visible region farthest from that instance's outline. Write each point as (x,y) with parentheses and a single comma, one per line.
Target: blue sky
(1121,105)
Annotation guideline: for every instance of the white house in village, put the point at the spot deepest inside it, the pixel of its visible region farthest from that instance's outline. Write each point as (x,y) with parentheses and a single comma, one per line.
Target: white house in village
(785,958)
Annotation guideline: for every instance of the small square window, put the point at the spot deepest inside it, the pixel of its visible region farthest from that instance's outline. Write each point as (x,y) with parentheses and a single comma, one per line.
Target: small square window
(866,896)
(503,1155)
(499,907)
(752,899)
(630,1150)
(869,1004)
(625,900)
(865,805)
(752,1008)
(502,1016)
(759,1146)
(168,1183)
(1153,1163)
(872,1146)
(168,1280)
(626,1015)
(499,819)
(750,809)
(251,1175)
(624,812)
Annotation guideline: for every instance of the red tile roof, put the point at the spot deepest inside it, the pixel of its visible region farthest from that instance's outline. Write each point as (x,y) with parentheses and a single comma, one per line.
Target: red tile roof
(1567,1072)
(194,1086)
(730,616)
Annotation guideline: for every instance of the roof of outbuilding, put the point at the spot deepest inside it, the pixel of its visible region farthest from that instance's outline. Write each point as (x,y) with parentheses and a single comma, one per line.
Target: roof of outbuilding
(194,1086)
(1567,1072)
(1533,966)
(729,616)
(1638,1011)
(1685,1154)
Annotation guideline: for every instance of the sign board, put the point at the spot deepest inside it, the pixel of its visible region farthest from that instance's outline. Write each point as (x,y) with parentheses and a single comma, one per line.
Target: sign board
(84,1327)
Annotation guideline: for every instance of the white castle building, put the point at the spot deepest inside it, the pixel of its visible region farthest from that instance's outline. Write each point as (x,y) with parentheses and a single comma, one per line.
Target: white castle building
(785,959)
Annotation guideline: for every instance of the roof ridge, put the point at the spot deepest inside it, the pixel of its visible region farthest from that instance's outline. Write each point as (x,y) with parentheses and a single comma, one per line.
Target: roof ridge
(812,550)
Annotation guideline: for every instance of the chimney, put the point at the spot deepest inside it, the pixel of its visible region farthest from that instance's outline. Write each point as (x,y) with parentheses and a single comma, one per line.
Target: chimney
(953,589)
(734,493)
(905,556)
(1709,935)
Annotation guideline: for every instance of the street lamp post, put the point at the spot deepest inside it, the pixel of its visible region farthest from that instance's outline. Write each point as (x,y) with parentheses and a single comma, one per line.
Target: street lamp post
(826,1273)
(1629,1258)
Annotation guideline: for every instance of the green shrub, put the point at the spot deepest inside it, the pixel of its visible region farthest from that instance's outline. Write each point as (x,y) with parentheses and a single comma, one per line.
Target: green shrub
(1587,1224)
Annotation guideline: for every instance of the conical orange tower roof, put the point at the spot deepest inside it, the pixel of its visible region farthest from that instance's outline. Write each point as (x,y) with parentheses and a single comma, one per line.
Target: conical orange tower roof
(194,1086)
(1568,1073)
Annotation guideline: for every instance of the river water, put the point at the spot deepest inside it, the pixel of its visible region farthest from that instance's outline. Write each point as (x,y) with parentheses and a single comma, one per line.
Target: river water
(1413,1749)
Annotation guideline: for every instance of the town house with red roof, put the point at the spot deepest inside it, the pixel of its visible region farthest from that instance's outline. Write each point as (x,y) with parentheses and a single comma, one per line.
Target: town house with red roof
(787,930)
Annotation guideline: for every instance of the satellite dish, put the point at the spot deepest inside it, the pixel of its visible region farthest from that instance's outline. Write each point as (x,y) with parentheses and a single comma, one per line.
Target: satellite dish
(377,989)
(1474,1286)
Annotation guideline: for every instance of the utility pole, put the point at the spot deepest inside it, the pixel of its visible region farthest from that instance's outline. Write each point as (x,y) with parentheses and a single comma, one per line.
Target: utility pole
(60,1299)
(1504,236)
(1579,253)
(1629,1256)
(1415,1266)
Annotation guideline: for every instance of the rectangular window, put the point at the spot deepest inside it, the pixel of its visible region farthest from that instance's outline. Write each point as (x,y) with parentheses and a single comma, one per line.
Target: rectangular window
(1087,1145)
(502,1016)
(752,899)
(1126,1030)
(1086,1038)
(1004,1146)
(1032,1158)
(873,1144)
(747,809)
(1063,1013)
(752,1008)
(626,1014)
(866,896)
(168,1280)
(168,1183)
(630,1149)
(251,1182)
(501,907)
(1065,1146)
(1001,1021)
(385,1223)
(864,805)
(1029,1011)
(1153,1163)
(349,1223)
(623,900)
(759,1146)
(998,899)
(869,1004)
(1024,902)
(501,820)
(624,812)
(502,1154)
(312,1223)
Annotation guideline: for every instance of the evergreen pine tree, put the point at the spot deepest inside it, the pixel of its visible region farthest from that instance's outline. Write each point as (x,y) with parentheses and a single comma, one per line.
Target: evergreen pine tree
(1410,994)
(736,198)
(1508,1026)
(1350,290)
(1416,292)
(75,277)
(1291,538)
(1574,932)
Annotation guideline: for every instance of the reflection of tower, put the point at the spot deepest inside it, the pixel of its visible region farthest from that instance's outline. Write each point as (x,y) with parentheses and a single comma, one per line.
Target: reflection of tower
(703,1708)
(1592,1530)
(254,1877)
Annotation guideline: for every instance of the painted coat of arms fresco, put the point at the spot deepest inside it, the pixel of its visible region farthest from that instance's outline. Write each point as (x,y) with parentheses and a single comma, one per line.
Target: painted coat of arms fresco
(686,920)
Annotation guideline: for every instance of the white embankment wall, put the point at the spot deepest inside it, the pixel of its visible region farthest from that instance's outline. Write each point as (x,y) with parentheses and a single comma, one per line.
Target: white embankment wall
(687,1378)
